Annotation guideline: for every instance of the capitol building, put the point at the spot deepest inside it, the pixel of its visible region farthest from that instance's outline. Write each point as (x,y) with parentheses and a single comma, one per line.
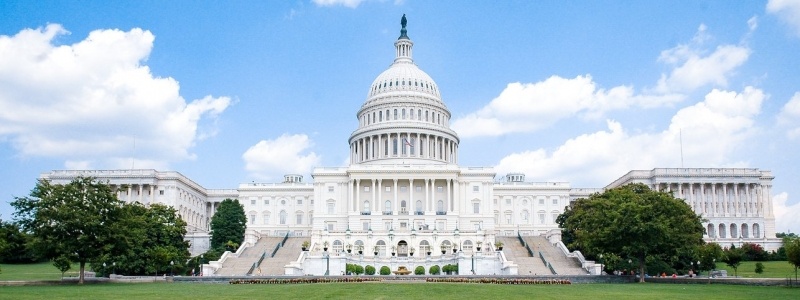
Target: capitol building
(405,201)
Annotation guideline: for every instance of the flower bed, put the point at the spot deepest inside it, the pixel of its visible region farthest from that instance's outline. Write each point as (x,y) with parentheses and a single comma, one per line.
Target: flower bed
(498,280)
(303,280)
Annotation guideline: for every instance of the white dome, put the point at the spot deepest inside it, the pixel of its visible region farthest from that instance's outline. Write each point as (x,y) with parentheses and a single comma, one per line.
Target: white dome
(404,76)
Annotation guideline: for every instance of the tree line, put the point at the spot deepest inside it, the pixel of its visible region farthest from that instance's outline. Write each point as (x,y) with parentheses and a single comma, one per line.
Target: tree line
(635,230)
(83,222)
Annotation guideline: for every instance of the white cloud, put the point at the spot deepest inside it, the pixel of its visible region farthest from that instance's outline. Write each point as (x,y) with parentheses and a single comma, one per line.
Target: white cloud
(345,3)
(790,116)
(787,217)
(533,106)
(87,102)
(269,159)
(693,68)
(788,11)
(709,130)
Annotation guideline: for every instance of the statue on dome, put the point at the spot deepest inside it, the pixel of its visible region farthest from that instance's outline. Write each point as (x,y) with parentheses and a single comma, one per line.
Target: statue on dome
(403,21)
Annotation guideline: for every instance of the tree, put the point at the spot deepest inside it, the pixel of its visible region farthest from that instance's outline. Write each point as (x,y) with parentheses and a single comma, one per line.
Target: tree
(793,253)
(15,244)
(148,239)
(73,221)
(228,224)
(759,268)
(733,257)
(633,222)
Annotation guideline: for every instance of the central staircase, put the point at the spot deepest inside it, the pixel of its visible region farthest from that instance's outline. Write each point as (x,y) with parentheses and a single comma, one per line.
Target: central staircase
(534,265)
(270,265)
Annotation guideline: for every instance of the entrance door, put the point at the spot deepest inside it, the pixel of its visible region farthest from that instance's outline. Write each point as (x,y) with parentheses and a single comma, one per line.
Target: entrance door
(402,249)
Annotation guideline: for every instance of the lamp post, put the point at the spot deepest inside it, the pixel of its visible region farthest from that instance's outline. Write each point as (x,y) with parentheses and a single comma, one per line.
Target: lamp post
(114,269)
(327,262)
(698,268)
(104,267)
(171,267)
(630,266)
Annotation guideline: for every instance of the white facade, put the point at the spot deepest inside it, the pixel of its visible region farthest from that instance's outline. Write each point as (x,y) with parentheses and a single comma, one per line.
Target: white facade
(404,191)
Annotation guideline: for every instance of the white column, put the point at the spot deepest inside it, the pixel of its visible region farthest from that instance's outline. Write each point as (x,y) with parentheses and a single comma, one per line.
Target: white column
(358,194)
(394,201)
(380,196)
(449,200)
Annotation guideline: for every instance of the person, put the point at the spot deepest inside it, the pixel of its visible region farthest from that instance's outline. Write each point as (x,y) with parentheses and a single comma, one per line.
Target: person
(674,275)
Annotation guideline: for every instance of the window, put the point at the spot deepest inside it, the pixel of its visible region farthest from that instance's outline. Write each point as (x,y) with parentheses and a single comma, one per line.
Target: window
(439,189)
(555,216)
(331,207)
(388,189)
(555,201)
(387,206)
(440,206)
(299,218)
(418,207)
(366,189)
(418,188)
(365,225)
(330,189)
(252,219)
(266,218)
(330,226)
(395,114)
(508,201)
(161,192)
(253,202)
(283,201)
(508,218)
(541,201)
(299,201)
(266,201)
(366,206)
(403,188)
(541,218)
(283,217)
(525,215)
(476,188)
(476,207)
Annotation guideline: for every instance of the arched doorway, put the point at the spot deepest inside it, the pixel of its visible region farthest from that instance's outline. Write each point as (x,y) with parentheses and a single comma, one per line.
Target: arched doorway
(402,249)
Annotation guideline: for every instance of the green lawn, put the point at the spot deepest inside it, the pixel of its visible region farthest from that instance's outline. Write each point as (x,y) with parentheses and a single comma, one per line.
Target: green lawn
(772,269)
(397,291)
(40,271)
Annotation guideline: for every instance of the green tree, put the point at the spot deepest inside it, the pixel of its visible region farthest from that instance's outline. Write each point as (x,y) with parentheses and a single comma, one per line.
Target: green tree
(228,224)
(15,244)
(733,257)
(149,239)
(419,270)
(793,252)
(74,221)
(370,270)
(709,254)
(385,270)
(634,222)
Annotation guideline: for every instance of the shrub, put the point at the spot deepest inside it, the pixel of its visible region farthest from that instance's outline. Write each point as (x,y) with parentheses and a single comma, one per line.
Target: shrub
(759,268)
(419,270)
(434,270)
(349,269)
(754,252)
(385,270)
(358,269)
(370,270)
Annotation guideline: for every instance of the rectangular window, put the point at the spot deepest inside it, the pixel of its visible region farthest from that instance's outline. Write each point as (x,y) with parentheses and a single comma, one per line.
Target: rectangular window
(266,201)
(541,201)
(299,201)
(403,188)
(508,218)
(555,216)
(388,188)
(476,188)
(418,188)
(266,219)
(541,218)
(330,189)
(476,208)
(253,202)
(555,201)
(508,201)
(252,219)
(299,219)
(387,225)
(439,189)
(365,225)
(330,226)
(366,189)
(161,192)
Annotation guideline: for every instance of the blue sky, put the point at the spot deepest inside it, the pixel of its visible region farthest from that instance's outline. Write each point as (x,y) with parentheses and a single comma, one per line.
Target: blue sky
(562,91)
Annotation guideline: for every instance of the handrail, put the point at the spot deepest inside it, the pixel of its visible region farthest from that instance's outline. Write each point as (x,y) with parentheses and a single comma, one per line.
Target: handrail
(548,264)
(525,244)
(264,254)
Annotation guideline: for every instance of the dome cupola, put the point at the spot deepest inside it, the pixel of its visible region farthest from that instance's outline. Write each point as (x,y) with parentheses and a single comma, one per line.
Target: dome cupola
(403,119)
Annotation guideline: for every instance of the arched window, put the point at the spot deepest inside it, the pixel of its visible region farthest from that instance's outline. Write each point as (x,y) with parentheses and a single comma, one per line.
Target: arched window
(756,230)
(403,207)
(745,231)
(380,116)
(722,231)
(337,246)
(381,245)
(404,113)
(466,246)
(710,231)
(395,114)
(733,231)
(424,248)
(283,217)
(387,207)
(418,207)
(411,145)
(366,206)
(394,146)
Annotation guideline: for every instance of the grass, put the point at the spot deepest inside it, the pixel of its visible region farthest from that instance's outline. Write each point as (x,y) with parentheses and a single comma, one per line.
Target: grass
(772,269)
(353,291)
(38,271)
